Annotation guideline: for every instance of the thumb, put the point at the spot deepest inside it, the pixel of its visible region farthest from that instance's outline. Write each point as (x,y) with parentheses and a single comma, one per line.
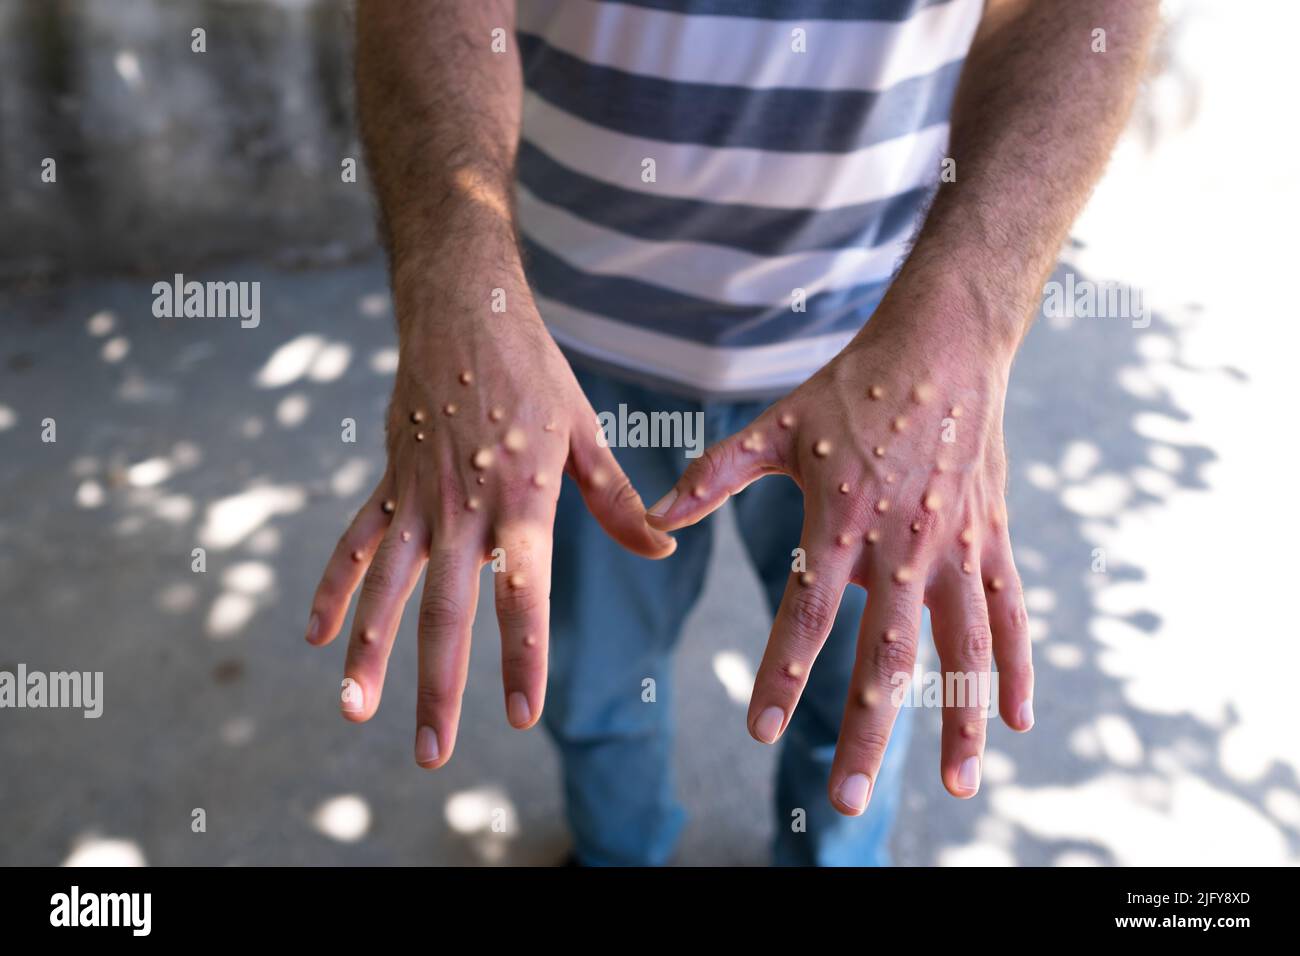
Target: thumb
(611,498)
(720,472)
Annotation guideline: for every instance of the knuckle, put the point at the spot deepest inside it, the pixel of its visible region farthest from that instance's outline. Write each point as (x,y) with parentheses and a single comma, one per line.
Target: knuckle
(381,579)
(439,612)
(977,644)
(515,604)
(812,610)
(711,464)
(869,744)
(895,657)
(621,491)
(432,697)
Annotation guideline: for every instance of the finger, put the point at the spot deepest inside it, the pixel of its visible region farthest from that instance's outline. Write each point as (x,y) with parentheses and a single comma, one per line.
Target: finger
(960,617)
(523,599)
(387,587)
(346,566)
(610,496)
(882,671)
(446,616)
(804,619)
(721,471)
(1012,648)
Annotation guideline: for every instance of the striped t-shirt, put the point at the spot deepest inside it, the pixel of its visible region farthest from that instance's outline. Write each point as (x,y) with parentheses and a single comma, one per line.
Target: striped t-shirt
(713,194)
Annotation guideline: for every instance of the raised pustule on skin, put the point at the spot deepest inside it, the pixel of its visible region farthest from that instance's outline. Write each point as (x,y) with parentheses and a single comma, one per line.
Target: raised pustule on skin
(516,580)
(698,491)
(549,427)
(467,377)
(966,568)
(843,540)
(967,535)
(419,436)
(449,409)
(822,448)
(368,635)
(496,414)
(417,416)
(482,459)
(970,731)
(868,697)
(899,424)
(916,527)
(406,536)
(794,669)
(515,440)
(872,536)
(807,578)
(599,478)
(844,488)
(539,480)
(955,411)
(358,555)
(389,506)
(752,442)
(931,501)
(875,393)
(902,575)
(471,504)
(882,506)
(786,420)
(878,451)
(995,584)
(922,392)
(530,641)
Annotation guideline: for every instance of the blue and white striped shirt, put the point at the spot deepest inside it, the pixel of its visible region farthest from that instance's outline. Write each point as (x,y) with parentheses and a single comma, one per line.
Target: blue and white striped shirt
(794,144)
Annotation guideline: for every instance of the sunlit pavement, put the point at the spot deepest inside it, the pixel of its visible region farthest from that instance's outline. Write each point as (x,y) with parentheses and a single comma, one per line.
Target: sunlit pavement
(1163,454)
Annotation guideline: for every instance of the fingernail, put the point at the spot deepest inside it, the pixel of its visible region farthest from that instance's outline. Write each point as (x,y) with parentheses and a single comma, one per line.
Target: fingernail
(1026,715)
(968,776)
(769,724)
(351,698)
(517,709)
(426,745)
(313,627)
(854,791)
(663,504)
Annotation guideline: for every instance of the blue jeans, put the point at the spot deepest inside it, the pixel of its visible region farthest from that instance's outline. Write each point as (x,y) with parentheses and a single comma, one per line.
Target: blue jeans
(616,619)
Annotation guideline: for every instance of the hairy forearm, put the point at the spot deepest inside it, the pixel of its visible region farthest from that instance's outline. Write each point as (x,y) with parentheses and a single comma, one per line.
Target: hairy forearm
(439,116)
(1035,117)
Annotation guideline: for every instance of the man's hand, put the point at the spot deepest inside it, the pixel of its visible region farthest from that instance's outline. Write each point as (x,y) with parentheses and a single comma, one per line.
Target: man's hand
(486,418)
(897,445)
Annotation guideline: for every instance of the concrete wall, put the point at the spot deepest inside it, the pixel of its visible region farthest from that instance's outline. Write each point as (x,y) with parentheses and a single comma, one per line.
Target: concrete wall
(167,156)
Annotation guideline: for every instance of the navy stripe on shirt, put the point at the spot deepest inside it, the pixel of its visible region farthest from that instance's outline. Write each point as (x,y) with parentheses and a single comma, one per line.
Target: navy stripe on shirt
(760,230)
(781,120)
(687,317)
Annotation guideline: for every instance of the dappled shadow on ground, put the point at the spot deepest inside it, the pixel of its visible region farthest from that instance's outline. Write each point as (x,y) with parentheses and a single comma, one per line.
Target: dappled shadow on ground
(174,435)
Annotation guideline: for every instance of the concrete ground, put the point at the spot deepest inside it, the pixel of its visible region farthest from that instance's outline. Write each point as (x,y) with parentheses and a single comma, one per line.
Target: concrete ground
(1147,493)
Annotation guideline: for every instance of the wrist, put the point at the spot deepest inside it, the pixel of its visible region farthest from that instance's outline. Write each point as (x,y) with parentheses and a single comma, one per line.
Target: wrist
(955,308)
(469,272)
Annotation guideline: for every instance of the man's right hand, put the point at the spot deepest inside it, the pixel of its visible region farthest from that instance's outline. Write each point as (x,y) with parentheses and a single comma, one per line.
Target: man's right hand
(486,418)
